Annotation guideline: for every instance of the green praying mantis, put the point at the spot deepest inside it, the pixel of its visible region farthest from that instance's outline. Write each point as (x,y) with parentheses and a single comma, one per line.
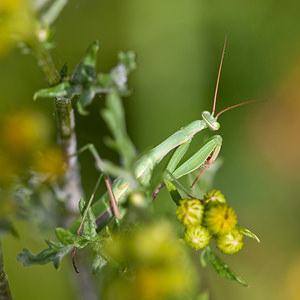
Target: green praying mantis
(143,168)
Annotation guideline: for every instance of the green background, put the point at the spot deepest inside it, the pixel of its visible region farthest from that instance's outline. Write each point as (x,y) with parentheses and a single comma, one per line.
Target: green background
(178,45)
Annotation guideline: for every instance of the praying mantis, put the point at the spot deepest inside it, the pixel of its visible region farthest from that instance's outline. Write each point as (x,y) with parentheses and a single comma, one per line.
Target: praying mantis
(144,166)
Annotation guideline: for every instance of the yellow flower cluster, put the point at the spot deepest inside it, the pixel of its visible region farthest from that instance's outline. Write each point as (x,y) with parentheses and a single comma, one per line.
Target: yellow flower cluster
(210,218)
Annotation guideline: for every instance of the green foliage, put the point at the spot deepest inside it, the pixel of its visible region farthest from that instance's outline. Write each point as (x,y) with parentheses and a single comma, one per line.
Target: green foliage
(86,83)
(66,242)
(190,214)
(221,267)
(54,254)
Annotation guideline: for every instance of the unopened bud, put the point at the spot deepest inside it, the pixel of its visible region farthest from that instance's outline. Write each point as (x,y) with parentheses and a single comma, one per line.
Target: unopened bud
(230,242)
(214,196)
(197,236)
(190,212)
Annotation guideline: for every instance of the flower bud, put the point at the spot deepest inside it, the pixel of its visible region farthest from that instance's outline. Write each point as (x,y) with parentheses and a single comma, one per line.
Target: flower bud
(190,212)
(214,196)
(230,242)
(219,218)
(197,236)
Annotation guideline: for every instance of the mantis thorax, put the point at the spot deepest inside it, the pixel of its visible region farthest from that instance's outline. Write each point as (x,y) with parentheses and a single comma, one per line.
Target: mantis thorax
(210,120)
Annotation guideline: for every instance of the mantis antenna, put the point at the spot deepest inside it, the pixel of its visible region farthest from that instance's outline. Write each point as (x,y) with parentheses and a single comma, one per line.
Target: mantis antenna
(213,120)
(219,74)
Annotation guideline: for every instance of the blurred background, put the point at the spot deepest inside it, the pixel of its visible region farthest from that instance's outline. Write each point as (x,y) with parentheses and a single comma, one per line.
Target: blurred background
(178,45)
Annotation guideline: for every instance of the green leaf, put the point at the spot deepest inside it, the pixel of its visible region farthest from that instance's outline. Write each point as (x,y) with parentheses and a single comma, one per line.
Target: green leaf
(221,268)
(65,236)
(89,226)
(54,254)
(248,233)
(59,90)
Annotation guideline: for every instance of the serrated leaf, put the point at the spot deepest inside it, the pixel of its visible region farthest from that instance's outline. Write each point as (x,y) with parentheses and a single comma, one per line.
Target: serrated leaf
(54,254)
(81,205)
(222,268)
(248,233)
(59,90)
(89,226)
(65,236)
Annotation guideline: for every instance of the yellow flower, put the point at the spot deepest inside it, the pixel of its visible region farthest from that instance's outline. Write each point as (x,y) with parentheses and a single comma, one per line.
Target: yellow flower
(214,196)
(197,236)
(230,242)
(190,212)
(219,218)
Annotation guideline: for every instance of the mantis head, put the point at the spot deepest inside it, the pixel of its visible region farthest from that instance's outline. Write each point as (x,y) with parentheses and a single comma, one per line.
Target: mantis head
(209,117)
(210,120)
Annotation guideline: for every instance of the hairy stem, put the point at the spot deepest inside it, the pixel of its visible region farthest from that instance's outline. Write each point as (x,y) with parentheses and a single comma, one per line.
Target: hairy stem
(4,286)
(71,187)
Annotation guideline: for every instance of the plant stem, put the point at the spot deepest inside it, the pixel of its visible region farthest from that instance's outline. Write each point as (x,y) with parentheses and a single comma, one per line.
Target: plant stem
(4,286)
(71,187)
